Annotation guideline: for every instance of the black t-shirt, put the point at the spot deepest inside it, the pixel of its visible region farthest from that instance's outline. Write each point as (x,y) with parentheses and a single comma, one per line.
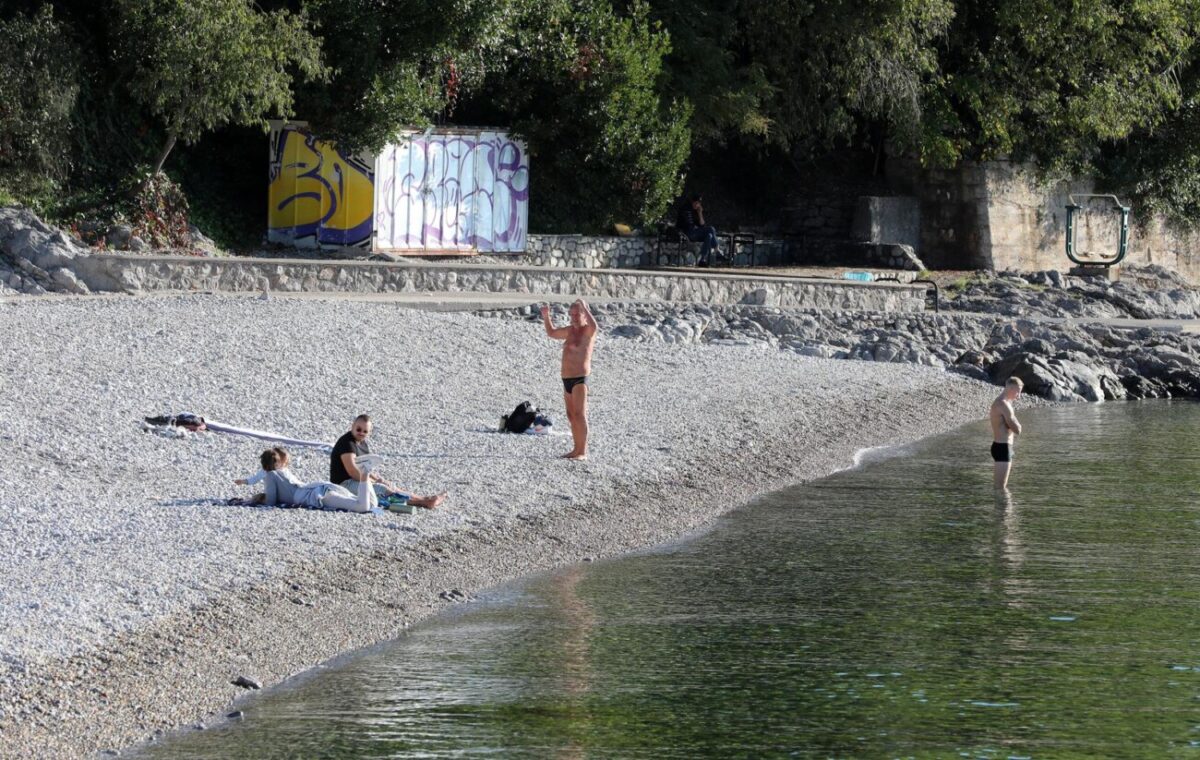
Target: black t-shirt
(686,219)
(345,445)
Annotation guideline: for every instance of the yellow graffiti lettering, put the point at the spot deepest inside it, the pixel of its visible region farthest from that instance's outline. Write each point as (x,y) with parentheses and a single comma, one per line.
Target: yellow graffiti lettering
(316,191)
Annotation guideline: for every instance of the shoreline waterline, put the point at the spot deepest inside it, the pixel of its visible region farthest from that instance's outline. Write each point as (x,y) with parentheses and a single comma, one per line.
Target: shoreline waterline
(273,607)
(228,714)
(472,584)
(902,609)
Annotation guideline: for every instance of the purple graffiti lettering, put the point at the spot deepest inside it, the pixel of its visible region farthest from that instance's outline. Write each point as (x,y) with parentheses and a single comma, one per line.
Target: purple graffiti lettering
(292,198)
(468,190)
(354,236)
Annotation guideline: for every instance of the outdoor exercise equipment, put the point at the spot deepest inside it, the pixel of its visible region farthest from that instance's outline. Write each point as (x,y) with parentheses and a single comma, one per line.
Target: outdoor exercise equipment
(1073,207)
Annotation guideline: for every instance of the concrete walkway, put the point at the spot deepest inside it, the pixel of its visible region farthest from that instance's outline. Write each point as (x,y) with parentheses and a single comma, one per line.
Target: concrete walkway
(484,301)
(435,301)
(426,301)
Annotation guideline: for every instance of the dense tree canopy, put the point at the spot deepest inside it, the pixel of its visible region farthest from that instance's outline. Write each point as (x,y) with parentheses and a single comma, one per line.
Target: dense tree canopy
(1056,82)
(399,63)
(613,95)
(1161,166)
(38,88)
(709,68)
(200,64)
(835,67)
(609,145)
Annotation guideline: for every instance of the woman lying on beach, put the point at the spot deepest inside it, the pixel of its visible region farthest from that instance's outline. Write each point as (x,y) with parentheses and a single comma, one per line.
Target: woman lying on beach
(282,487)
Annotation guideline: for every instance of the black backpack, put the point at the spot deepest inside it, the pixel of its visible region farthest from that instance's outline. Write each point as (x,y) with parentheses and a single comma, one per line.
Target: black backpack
(520,419)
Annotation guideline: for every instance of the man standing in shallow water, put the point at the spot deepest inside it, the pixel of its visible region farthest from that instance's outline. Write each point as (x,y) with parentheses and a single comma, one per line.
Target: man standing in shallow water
(578,339)
(1004,428)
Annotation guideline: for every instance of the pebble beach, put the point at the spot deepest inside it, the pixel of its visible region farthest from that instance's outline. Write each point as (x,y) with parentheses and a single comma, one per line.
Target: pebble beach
(133,595)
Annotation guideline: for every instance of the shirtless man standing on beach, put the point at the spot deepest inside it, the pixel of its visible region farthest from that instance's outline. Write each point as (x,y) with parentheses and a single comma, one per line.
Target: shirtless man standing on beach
(1004,428)
(578,339)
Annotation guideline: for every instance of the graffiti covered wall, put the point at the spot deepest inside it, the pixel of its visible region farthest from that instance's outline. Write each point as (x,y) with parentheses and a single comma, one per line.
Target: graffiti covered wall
(318,196)
(454,190)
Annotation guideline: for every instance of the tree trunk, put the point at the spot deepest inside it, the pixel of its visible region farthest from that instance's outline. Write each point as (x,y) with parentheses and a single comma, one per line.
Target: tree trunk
(162,159)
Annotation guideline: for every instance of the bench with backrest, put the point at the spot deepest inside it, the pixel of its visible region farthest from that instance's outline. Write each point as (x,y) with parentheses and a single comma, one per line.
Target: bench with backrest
(680,250)
(672,244)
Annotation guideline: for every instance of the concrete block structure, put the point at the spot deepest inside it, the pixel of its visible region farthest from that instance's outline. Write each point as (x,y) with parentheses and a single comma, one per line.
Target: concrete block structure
(445,190)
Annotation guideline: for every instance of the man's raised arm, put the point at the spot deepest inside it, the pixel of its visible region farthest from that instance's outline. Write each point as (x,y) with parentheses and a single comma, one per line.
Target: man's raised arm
(587,313)
(558,333)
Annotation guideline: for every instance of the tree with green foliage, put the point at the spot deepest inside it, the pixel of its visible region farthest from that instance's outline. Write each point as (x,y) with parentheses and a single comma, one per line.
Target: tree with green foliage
(197,65)
(946,80)
(404,63)
(708,67)
(1160,167)
(1053,82)
(38,89)
(837,67)
(605,144)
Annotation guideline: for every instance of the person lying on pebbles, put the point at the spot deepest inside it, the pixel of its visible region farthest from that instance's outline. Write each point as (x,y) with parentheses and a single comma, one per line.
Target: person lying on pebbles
(283,487)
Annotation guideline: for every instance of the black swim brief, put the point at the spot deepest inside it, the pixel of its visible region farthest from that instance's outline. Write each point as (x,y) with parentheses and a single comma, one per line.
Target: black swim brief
(1002,452)
(569,383)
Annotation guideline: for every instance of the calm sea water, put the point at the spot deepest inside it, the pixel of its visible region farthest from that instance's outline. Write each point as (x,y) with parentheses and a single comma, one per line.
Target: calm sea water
(895,610)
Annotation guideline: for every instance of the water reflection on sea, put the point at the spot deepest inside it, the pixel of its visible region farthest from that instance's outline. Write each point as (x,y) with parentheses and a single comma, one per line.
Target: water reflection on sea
(899,609)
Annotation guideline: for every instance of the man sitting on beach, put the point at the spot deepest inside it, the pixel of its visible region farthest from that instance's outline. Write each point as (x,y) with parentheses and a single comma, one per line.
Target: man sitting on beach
(1004,428)
(344,465)
(578,339)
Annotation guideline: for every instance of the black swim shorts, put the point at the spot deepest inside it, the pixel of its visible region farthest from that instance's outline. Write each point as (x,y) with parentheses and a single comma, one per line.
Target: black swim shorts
(1002,452)
(569,383)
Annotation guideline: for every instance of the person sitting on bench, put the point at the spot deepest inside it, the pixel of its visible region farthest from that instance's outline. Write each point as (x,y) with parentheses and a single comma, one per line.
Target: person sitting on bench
(691,223)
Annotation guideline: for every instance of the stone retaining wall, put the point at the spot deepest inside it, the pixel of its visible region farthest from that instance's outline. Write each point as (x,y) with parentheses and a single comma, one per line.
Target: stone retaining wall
(611,252)
(126,273)
(824,214)
(588,252)
(607,252)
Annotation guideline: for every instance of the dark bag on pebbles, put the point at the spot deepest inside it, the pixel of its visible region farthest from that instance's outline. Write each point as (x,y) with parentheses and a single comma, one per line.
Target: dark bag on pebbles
(186,420)
(520,419)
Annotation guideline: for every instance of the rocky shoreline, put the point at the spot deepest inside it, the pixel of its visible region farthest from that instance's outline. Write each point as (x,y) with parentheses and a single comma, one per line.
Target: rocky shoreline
(995,326)
(1141,292)
(1060,361)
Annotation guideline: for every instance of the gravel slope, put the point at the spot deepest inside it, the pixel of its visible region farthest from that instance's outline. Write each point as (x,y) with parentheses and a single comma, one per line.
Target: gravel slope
(130,600)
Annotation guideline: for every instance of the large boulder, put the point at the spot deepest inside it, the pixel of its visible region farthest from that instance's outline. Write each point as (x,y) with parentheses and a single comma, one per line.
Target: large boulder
(819,350)
(39,250)
(1059,379)
(905,257)
(119,236)
(203,243)
(25,237)
(1183,383)
(1137,386)
(66,280)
